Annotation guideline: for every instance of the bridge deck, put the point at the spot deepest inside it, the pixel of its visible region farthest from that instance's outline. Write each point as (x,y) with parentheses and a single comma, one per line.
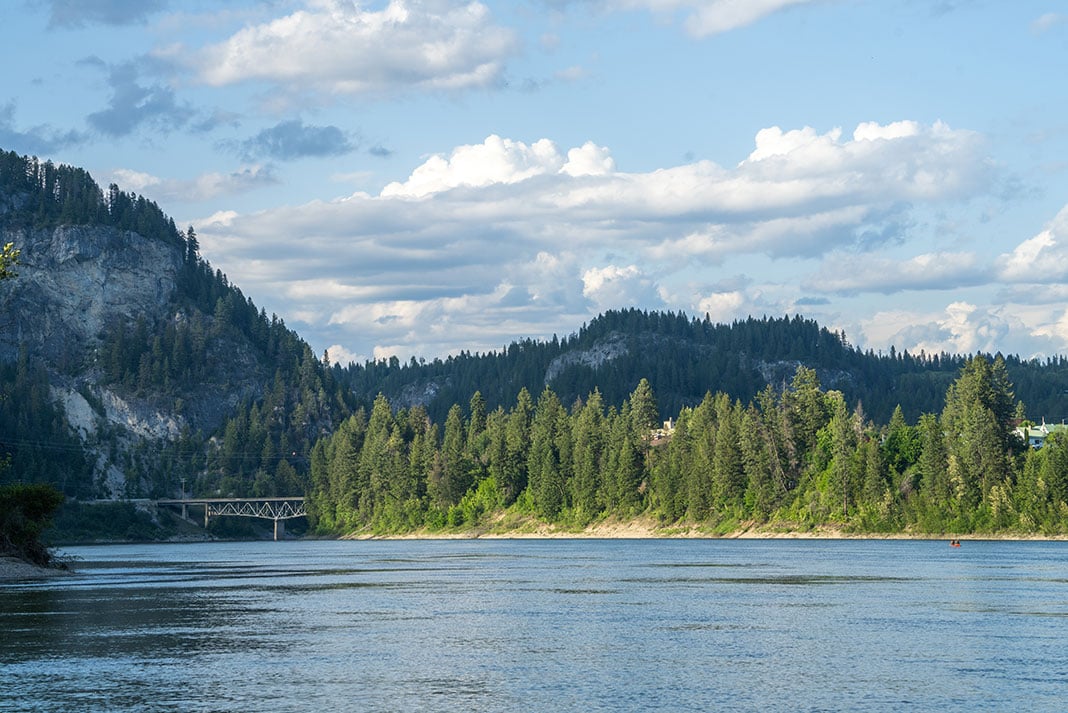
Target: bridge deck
(277,509)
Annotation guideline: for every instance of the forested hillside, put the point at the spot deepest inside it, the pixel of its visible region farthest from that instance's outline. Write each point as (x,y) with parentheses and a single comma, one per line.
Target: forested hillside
(685,357)
(792,459)
(129,366)
(128,392)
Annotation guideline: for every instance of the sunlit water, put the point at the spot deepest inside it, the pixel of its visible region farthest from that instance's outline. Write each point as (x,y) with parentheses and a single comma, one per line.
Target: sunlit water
(557,625)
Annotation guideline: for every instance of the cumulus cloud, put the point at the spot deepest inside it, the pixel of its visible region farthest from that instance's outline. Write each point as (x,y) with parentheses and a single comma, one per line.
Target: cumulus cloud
(505,234)
(914,161)
(966,327)
(340,48)
(710,17)
(962,328)
(612,287)
(340,355)
(499,161)
(78,13)
(1041,259)
(724,306)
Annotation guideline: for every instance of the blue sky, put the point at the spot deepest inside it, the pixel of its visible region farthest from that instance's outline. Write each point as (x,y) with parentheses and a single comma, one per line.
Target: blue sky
(417,178)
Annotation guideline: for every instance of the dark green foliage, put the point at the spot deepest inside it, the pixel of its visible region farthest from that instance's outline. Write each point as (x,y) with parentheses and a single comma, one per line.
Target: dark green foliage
(36,442)
(757,436)
(25,512)
(44,195)
(799,455)
(684,358)
(216,349)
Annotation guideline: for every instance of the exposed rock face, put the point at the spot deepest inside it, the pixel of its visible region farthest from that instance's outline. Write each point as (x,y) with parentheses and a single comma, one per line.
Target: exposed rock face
(73,280)
(73,284)
(612,348)
(420,394)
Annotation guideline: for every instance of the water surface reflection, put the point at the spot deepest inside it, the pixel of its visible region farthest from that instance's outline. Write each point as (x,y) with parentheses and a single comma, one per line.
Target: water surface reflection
(542,625)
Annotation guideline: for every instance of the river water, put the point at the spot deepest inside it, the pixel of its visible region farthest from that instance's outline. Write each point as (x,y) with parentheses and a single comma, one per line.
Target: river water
(543,625)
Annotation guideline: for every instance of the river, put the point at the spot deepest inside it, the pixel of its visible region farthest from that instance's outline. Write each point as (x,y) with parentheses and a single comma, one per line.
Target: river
(543,625)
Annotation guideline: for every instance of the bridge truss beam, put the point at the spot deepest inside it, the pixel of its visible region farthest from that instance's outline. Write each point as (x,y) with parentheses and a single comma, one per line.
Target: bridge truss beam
(277,509)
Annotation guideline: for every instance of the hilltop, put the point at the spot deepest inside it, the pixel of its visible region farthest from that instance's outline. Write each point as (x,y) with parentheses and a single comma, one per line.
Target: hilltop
(685,357)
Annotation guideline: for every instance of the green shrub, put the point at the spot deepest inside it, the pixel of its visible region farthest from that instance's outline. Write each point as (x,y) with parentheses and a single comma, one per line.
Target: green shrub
(25,512)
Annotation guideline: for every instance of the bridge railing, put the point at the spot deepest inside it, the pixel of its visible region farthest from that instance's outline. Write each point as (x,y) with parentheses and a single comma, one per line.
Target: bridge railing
(277,509)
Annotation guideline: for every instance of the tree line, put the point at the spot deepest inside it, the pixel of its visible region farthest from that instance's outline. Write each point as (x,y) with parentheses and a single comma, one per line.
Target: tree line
(798,456)
(739,358)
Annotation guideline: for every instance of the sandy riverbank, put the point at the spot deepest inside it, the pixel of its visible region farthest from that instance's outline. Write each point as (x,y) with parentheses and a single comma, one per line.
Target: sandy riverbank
(13,569)
(641,528)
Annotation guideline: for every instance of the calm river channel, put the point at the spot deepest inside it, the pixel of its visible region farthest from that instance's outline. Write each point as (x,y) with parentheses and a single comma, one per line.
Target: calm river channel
(543,625)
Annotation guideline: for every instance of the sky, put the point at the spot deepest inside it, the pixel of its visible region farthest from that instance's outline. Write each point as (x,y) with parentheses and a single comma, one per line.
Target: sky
(414,178)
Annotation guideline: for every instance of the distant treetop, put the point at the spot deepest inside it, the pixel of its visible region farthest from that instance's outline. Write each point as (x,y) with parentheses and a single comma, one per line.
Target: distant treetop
(35,194)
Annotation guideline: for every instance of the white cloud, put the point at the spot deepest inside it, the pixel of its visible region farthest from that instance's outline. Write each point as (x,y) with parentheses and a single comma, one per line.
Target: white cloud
(500,161)
(903,159)
(496,160)
(589,160)
(340,355)
(962,328)
(337,47)
(724,306)
(710,17)
(1042,258)
(614,287)
(852,274)
(512,238)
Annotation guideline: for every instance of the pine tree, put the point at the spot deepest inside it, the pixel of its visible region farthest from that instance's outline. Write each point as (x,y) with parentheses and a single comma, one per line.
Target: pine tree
(728,474)
(587,455)
(514,469)
(547,484)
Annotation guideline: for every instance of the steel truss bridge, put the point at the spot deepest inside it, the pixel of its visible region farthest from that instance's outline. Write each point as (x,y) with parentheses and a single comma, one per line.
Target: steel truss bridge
(277,509)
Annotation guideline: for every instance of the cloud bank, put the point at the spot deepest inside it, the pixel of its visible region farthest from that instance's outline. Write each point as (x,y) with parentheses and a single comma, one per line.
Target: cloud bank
(488,240)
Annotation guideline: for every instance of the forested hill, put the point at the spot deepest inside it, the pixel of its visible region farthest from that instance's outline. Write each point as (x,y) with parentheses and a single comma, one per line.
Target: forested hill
(128,365)
(684,358)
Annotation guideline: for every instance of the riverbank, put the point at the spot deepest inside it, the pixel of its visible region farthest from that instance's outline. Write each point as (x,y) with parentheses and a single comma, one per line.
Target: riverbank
(13,569)
(648,528)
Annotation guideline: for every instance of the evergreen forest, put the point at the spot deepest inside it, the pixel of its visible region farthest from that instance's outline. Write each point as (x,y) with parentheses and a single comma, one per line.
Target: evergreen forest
(775,422)
(794,459)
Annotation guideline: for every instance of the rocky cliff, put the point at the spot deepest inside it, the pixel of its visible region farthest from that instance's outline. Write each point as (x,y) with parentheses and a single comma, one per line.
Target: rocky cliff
(75,284)
(76,280)
(129,365)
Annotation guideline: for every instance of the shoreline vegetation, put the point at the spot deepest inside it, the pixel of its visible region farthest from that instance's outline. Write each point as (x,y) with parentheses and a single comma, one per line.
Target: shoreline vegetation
(792,462)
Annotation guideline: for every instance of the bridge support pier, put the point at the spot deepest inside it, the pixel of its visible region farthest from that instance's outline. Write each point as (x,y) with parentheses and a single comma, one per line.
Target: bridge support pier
(277,509)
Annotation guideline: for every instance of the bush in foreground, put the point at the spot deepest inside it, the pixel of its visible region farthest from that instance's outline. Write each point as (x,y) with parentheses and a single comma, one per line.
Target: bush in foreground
(25,512)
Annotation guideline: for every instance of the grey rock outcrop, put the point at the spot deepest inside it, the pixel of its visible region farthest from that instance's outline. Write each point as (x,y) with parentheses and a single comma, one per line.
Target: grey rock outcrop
(73,279)
(74,283)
